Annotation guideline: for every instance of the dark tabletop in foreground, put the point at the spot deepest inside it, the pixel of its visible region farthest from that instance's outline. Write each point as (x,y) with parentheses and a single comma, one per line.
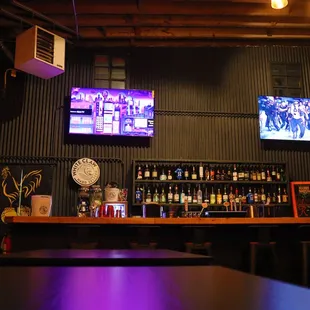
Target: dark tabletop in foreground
(151,288)
(103,258)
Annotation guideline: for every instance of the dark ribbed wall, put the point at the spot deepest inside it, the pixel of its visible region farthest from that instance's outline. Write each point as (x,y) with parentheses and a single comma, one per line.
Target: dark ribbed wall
(189,85)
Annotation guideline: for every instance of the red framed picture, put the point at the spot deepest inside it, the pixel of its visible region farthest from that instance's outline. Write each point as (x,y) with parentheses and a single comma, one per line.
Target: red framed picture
(300,192)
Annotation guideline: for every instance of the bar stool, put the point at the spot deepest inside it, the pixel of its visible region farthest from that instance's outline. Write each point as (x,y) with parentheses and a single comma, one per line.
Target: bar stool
(143,238)
(200,242)
(262,245)
(305,247)
(304,236)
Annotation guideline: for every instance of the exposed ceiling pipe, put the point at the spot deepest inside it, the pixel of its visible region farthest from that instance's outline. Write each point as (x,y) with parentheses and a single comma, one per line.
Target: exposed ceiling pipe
(75,19)
(6,51)
(18,18)
(37,14)
(22,20)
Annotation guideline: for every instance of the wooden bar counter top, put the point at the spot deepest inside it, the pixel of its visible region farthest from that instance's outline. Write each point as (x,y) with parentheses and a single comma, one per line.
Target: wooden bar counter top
(157,221)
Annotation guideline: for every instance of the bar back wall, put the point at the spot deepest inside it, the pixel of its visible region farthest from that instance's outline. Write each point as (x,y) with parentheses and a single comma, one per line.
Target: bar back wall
(206,108)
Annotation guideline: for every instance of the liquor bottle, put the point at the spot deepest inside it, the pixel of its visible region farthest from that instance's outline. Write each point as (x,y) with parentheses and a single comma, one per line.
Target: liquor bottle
(250,198)
(223,175)
(251,174)
(225,196)
(243,196)
(138,195)
(258,175)
(263,174)
(206,197)
(182,196)
(212,197)
(201,171)
(176,196)
(163,176)
(169,177)
(154,173)
(207,173)
(162,196)
(235,173)
(194,174)
(199,195)
(237,196)
(274,198)
(179,173)
(241,173)
(246,174)
(146,172)
(268,199)
(156,195)
(195,199)
(259,195)
(186,174)
(229,173)
(212,173)
(278,174)
(255,196)
(219,197)
(148,196)
(170,195)
(217,175)
(284,196)
(263,195)
(139,173)
(143,194)
(279,196)
(189,195)
(254,174)
(269,178)
(282,174)
(273,174)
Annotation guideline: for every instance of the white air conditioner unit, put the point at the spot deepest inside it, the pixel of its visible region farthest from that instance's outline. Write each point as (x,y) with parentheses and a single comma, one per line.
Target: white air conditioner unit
(40,52)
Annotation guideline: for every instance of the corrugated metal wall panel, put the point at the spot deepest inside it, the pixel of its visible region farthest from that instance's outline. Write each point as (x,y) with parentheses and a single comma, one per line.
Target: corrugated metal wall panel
(225,80)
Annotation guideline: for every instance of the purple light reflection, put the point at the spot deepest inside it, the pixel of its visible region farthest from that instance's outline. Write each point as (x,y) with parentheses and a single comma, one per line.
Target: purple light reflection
(144,288)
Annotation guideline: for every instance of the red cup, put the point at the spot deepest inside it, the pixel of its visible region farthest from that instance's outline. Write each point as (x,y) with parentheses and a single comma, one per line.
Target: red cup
(110,211)
(102,210)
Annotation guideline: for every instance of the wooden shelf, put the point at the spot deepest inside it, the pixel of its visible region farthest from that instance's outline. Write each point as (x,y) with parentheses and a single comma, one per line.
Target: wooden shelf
(137,181)
(167,204)
(156,221)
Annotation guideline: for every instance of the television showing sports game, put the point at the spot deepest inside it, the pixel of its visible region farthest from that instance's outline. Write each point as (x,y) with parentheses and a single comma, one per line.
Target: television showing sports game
(284,118)
(113,112)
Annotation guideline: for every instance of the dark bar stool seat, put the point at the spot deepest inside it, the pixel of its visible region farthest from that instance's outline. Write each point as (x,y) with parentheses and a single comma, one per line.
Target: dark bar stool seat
(145,237)
(200,240)
(305,250)
(304,237)
(262,245)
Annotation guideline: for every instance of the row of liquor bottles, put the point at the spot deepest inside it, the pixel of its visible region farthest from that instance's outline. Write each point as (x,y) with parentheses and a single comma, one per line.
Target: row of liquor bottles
(196,195)
(219,172)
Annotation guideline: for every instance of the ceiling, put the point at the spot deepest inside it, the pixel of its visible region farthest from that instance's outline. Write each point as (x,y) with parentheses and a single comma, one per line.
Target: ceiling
(93,23)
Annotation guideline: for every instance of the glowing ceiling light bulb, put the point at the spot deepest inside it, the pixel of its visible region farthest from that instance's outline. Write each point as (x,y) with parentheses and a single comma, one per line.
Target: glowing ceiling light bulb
(279,4)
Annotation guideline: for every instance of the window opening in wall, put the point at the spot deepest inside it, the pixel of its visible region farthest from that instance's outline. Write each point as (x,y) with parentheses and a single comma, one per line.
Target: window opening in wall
(110,72)
(286,79)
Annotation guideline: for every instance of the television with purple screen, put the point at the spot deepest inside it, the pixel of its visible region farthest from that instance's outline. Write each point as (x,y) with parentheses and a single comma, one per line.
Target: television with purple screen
(284,118)
(113,112)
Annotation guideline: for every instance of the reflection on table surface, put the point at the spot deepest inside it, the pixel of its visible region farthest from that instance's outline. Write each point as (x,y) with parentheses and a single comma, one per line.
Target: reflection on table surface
(151,288)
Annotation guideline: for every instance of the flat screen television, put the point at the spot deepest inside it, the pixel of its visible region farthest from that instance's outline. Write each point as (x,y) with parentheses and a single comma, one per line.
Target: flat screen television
(284,118)
(112,112)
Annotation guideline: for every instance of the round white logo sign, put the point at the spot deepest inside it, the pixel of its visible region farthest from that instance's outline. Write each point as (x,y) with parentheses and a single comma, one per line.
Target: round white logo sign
(85,172)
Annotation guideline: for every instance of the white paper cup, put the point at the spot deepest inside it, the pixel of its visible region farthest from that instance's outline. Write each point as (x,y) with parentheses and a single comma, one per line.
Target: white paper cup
(41,205)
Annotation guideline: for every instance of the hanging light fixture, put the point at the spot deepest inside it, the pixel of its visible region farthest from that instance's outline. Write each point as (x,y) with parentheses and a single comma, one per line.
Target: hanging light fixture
(279,4)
